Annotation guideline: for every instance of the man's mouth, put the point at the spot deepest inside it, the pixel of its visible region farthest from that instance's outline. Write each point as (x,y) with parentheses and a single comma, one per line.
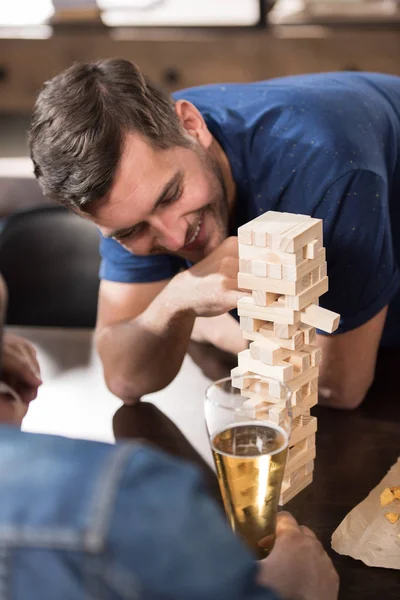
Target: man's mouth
(193,238)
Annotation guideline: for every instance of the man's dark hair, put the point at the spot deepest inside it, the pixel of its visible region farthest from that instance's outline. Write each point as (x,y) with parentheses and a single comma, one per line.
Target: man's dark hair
(80,121)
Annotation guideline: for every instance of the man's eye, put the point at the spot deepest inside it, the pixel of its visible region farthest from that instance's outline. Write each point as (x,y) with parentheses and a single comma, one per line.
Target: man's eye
(129,234)
(170,199)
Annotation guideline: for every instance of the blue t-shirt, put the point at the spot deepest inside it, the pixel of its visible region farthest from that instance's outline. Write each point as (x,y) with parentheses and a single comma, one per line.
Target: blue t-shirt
(326,145)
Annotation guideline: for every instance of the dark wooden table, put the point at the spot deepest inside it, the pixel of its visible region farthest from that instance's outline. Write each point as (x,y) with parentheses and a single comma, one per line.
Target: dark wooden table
(354,451)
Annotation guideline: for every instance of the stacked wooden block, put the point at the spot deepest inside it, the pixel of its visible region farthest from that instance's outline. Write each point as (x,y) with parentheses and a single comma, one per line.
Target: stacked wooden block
(282,261)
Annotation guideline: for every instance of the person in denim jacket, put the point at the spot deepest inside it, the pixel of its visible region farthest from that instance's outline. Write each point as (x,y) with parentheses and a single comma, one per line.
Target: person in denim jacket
(86,520)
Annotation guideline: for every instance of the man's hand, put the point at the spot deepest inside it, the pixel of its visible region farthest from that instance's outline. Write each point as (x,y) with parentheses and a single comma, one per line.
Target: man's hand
(19,367)
(210,287)
(298,567)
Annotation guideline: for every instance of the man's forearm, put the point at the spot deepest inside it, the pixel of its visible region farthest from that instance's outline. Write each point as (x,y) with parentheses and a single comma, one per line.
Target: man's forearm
(144,355)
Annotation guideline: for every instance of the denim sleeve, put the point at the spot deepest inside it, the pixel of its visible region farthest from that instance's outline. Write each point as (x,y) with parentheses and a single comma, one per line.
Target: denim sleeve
(118,264)
(168,540)
(362,269)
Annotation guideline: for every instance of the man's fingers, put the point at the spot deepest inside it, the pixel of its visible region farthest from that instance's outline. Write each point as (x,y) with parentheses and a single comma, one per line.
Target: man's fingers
(308,532)
(285,520)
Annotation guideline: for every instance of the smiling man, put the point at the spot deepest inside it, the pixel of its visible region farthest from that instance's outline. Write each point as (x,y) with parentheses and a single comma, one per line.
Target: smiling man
(168,181)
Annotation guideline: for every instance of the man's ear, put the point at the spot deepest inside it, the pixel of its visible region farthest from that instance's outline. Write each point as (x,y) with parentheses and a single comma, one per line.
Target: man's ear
(193,122)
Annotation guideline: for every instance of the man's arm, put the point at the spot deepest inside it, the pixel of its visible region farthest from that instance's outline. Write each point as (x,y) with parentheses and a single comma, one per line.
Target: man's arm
(143,330)
(348,364)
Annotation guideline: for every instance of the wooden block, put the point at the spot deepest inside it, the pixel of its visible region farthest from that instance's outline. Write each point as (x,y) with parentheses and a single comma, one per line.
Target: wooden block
(315,276)
(282,330)
(255,253)
(249,324)
(299,235)
(264,298)
(266,284)
(259,268)
(247,393)
(275,271)
(303,299)
(302,379)
(300,359)
(299,458)
(268,352)
(306,281)
(295,272)
(310,333)
(295,477)
(245,235)
(315,355)
(276,390)
(274,223)
(240,378)
(281,371)
(245,266)
(312,248)
(288,494)
(323,271)
(274,312)
(302,427)
(321,318)
(295,342)
(257,230)
(303,406)
(297,396)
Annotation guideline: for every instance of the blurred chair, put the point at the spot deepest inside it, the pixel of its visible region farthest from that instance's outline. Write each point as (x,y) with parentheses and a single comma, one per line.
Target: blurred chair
(49,259)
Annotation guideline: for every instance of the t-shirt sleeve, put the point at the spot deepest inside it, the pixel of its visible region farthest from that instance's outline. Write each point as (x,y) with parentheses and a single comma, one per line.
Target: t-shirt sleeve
(118,264)
(168,540)
(362,269)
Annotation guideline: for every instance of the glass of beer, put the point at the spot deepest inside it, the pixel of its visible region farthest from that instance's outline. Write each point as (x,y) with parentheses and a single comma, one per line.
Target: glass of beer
(249,438)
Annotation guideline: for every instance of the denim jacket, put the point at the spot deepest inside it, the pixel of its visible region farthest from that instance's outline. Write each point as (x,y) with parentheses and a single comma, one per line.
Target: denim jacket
(82,520)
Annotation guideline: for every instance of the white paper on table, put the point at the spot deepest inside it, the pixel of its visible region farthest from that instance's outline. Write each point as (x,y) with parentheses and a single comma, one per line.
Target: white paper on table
(365,534)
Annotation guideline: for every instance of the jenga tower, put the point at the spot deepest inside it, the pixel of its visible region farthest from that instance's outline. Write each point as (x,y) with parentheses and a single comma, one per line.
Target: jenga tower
(282,261)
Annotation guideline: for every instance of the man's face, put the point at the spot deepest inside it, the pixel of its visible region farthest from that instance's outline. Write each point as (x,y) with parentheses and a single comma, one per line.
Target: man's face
(165,201)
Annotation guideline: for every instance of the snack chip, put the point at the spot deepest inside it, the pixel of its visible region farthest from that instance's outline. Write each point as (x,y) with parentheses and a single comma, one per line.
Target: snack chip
(386,497)
(392,517)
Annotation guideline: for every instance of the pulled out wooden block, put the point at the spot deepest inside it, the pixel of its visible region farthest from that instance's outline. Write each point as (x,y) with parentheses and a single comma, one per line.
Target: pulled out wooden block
(321,318)
(264,298)
(281,371)
(286,331)
(303,299)
(289,493)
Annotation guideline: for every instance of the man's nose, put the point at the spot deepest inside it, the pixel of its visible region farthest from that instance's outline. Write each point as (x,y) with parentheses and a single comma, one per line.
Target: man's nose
(171,233)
